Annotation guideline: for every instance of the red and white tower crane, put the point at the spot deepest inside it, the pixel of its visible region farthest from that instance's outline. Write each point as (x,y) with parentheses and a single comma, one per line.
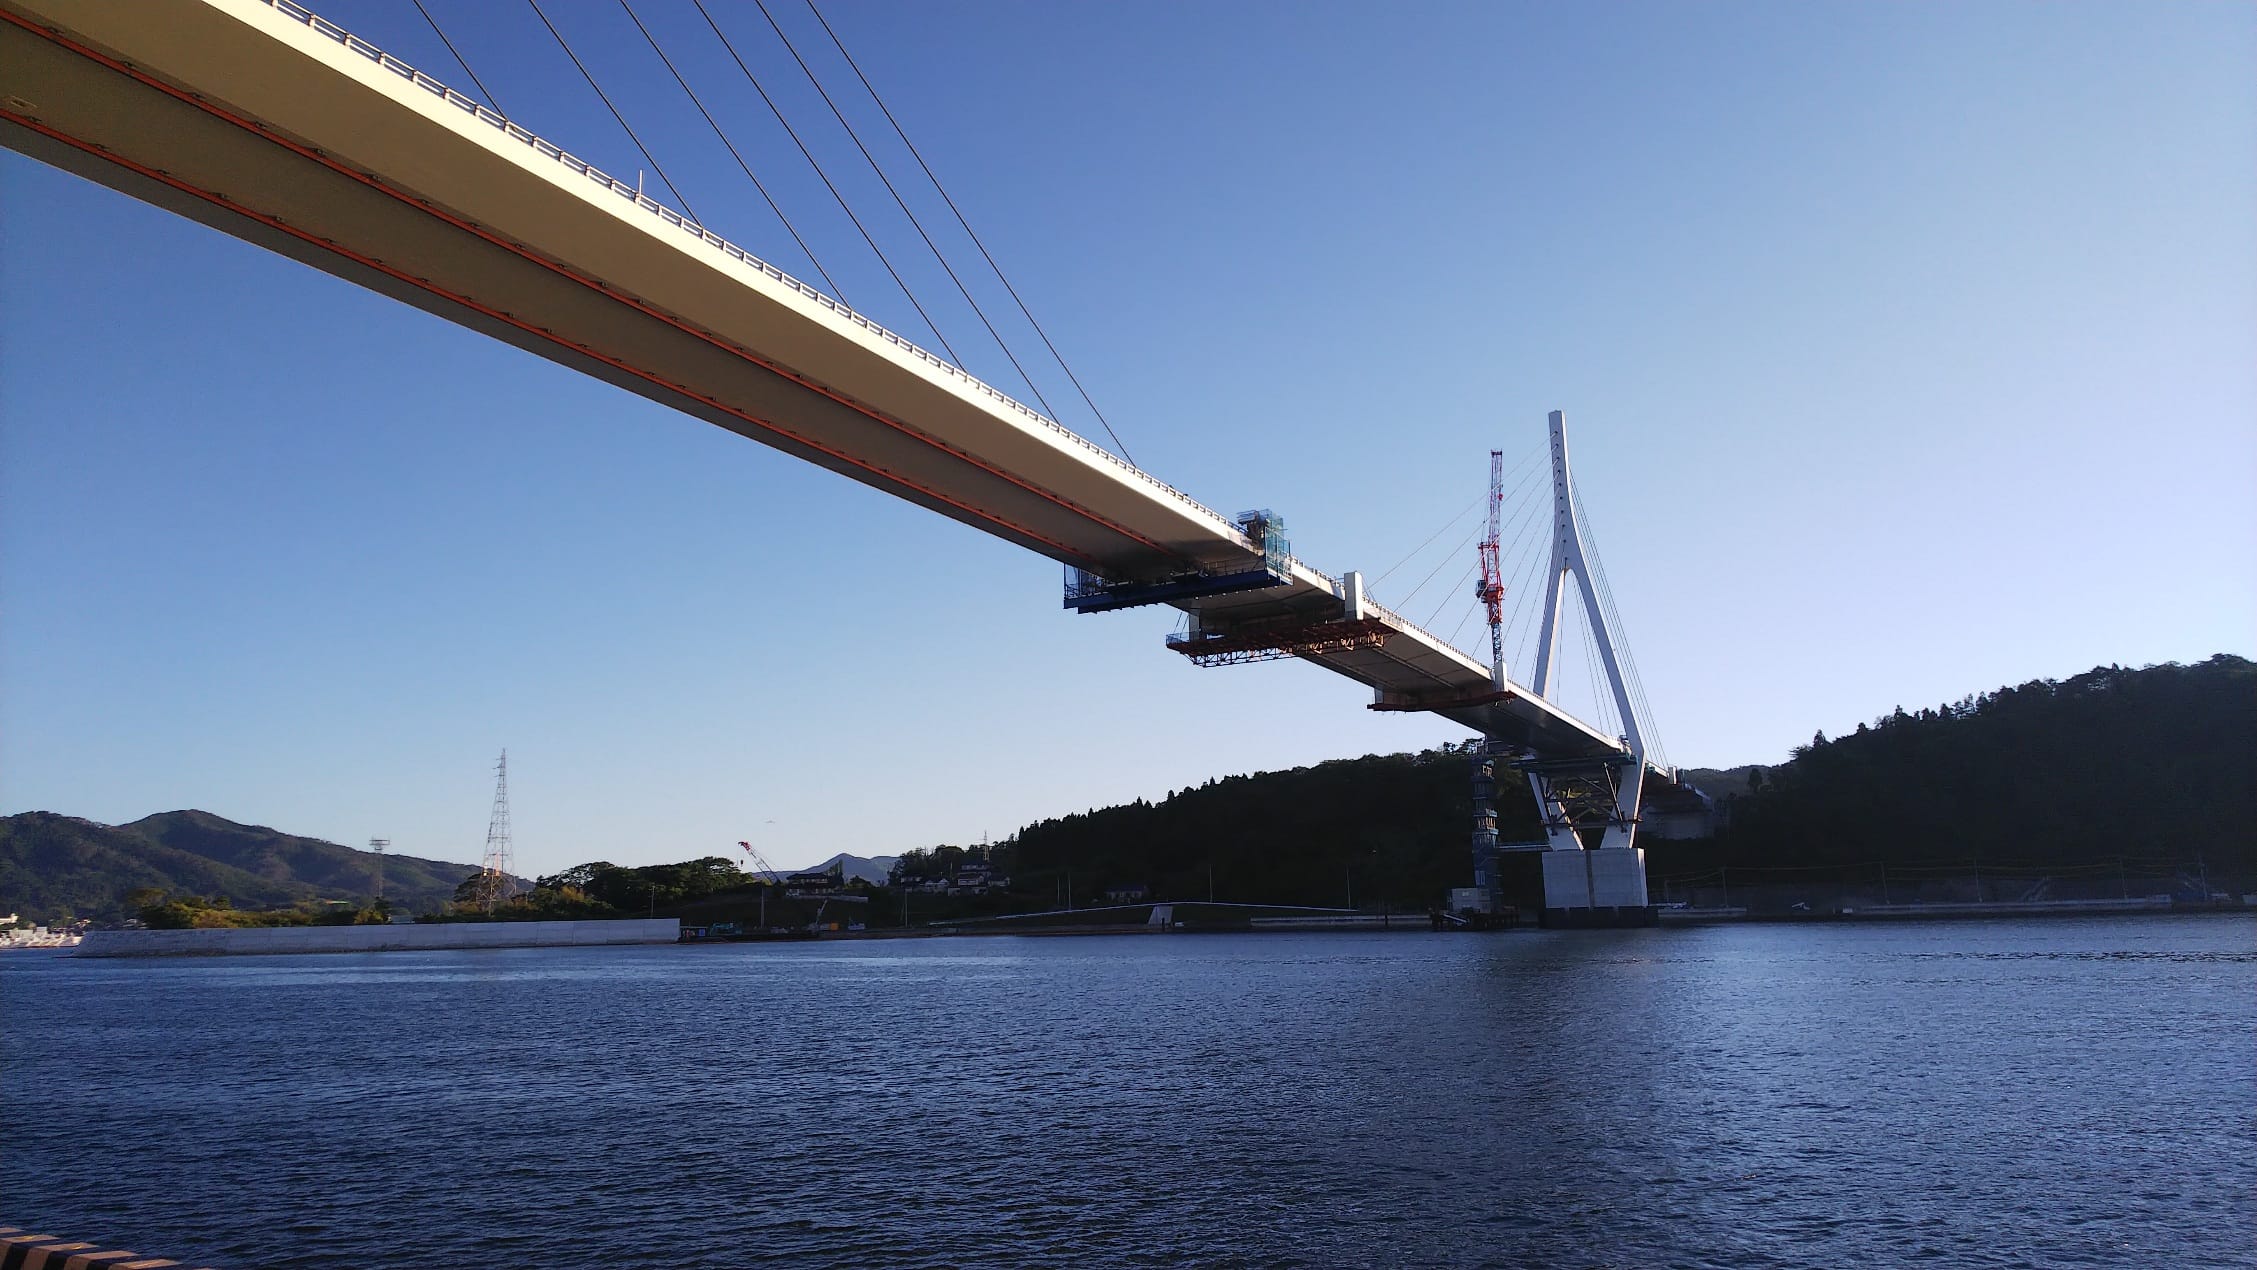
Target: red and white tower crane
(1491,589)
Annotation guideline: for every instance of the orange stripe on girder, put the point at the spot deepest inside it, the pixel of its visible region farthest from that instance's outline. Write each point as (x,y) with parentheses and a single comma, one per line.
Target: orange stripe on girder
(377,184)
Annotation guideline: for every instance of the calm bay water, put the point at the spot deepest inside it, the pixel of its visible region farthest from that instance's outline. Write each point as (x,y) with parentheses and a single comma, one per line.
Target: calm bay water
(2039,1093)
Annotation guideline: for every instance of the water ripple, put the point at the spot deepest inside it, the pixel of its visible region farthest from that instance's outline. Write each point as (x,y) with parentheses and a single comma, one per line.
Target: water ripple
(2063,1093)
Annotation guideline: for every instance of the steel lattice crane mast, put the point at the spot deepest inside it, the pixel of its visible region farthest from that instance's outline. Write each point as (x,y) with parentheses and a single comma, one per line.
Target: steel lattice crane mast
(768,872)
(1491,589)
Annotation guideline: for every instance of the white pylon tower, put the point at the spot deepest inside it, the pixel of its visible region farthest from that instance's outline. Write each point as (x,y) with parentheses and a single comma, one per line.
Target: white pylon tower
(1565,798)
(494,882)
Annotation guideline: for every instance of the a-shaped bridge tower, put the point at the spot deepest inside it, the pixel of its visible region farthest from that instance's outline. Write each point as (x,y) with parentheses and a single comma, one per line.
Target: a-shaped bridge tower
(1594,871)
(1588,784)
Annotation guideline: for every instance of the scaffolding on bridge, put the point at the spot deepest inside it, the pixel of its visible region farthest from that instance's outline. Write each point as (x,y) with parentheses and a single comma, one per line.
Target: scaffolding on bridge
(1272,640)
(1089,591)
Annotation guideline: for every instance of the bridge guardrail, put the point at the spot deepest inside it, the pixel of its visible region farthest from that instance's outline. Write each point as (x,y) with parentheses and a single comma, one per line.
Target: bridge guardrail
(1392,618)
(472,106)
(1397,619)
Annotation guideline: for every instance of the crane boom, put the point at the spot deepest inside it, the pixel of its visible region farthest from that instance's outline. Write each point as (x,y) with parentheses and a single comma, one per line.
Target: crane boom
(768,872)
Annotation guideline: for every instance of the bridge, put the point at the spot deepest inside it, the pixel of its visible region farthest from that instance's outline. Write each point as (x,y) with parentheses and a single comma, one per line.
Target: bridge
(262,120)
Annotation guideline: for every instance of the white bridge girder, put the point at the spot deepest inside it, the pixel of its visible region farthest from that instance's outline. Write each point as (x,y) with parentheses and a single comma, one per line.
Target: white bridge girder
(265,122)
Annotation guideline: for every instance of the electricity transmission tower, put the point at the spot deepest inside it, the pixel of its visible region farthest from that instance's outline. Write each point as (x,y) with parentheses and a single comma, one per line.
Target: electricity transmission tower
(493,884)
(377,846)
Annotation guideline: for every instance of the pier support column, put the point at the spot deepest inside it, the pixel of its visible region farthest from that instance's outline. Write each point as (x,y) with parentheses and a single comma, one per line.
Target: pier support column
(1594,874)
(1485,828)
(1602,886)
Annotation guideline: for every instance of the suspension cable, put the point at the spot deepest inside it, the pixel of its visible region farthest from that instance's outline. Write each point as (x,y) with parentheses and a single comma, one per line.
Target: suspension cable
(1446,527)
(1613,610)
(1439,565)
(809,155)
(903,204)
(1602,701)
(733,152)
(1635,682)
(984,253)
(1471,609)
(1455,587)
(1531,605)
(647,156)
(1452,521)
(1621,656)
(491,100)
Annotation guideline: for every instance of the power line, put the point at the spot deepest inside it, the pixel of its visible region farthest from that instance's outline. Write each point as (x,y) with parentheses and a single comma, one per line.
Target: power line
(809,155)
(733,153)
(968,231)
(647,157)
(459,59)
(903,204)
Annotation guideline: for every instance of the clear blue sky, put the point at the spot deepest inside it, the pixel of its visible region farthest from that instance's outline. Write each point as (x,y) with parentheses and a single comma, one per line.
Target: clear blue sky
(1908,349)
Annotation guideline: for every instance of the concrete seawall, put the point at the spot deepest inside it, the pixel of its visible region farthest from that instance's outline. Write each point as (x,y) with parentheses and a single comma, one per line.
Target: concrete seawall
(338,939)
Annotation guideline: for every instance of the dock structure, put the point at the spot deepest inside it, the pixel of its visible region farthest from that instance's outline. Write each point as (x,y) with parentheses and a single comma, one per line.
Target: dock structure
(22,1249)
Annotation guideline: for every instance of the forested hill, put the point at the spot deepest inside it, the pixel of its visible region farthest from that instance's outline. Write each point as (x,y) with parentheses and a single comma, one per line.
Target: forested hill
(333,871)
(1392,828)
(54,867)
(2154,763)
(2159,762)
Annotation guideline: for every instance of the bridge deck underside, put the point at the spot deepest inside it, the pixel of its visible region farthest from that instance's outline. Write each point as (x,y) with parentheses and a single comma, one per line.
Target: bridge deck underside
(251,121)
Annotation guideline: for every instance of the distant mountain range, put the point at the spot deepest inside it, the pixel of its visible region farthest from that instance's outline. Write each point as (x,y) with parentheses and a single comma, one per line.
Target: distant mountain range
(874,869)
(53,866)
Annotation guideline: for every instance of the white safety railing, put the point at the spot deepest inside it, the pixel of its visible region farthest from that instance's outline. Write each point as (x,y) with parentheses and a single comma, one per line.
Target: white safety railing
(471,106)
(1398,621)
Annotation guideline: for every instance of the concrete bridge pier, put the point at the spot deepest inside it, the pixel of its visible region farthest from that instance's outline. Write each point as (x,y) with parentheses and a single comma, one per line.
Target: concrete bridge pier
(1485,879)
(1595,887)
(1591,883)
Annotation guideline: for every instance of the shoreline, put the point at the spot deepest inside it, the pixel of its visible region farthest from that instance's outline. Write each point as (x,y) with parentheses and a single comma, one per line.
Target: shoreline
(1706,917)
(203,943)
